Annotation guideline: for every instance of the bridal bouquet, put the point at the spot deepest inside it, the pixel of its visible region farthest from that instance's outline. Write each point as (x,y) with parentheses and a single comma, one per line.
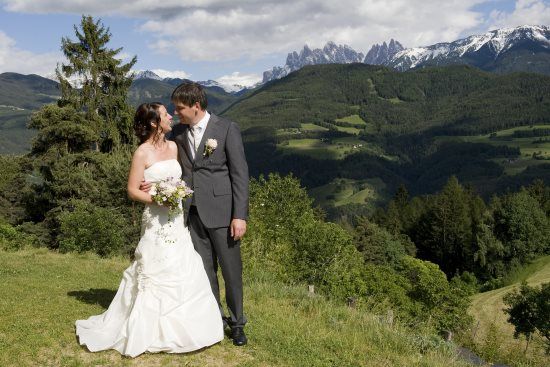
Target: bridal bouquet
(169,193)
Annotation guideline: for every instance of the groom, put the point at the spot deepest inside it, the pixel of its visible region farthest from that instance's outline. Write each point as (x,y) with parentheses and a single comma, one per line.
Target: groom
(212,156)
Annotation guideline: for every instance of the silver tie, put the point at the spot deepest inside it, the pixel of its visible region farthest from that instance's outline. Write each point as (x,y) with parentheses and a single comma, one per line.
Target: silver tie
(195,132)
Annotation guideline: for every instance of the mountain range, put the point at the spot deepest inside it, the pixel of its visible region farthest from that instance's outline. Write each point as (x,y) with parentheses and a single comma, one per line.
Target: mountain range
(524,48)
(330,54)
(229,88)
(21,94)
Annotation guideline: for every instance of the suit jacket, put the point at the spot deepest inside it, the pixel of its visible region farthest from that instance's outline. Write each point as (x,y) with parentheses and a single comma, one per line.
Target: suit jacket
(219,180)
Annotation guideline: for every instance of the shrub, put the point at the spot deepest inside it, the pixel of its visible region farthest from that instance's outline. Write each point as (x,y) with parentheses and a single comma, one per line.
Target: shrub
(324,254)
(87,227)
(287,237)
(13,238)
(445,303)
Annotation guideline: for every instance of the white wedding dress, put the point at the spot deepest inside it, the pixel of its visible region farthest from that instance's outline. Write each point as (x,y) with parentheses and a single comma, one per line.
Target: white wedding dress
(164,302)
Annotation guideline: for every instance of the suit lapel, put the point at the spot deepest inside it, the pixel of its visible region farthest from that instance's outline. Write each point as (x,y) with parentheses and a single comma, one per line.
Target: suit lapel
(184,141)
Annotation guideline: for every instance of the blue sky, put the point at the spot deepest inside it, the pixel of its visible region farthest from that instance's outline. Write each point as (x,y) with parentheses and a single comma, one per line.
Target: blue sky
(235,41)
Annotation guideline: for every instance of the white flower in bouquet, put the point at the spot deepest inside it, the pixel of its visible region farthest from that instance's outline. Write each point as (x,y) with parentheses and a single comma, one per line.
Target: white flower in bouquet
(169,193)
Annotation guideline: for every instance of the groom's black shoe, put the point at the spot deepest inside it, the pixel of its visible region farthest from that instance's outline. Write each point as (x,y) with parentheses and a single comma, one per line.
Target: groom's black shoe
(238,336)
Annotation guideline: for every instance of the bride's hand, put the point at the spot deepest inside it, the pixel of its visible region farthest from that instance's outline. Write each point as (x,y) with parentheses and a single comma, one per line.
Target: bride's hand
(145,186)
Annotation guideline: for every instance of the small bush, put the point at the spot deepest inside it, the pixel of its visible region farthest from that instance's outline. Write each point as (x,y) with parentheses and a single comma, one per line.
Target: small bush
(13,238)
(86,227)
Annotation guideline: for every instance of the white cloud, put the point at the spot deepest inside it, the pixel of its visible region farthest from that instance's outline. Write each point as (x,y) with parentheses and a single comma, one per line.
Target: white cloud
(218,30)
(237,78)
(171,73)
(124,56)
(261,29)
(526,12)
(13,59)
(221,30)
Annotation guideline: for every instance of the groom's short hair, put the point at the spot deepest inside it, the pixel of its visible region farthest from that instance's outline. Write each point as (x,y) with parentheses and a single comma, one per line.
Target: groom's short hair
(188,93)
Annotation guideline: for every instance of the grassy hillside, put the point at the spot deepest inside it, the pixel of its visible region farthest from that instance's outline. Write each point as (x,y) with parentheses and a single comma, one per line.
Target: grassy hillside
(19,96)
(43,293)
(533,149)
(27,91)
(359,122)
(14,136)
(459,99)
(487,309)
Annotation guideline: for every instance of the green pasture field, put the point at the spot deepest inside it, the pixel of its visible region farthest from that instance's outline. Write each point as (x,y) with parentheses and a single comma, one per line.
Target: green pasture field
(487,310)
(527,147)
(44,292)
(342,191)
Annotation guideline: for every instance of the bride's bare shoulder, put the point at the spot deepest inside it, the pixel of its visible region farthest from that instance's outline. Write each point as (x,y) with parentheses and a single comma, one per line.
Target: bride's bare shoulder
(142,152)
(172,145)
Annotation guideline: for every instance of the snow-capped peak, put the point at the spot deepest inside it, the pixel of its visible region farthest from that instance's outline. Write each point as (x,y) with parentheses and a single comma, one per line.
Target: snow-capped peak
(229,88)
(146,74)
(493,44)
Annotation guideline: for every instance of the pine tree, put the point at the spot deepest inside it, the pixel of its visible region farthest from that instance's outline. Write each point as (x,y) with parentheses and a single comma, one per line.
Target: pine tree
(444,233)
(105,83)
(82,149)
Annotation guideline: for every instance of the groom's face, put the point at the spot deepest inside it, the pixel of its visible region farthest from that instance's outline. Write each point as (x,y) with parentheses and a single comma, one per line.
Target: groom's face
(187,114)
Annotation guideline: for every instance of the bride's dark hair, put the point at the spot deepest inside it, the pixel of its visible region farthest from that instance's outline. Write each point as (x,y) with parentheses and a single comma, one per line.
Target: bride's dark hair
(146,115)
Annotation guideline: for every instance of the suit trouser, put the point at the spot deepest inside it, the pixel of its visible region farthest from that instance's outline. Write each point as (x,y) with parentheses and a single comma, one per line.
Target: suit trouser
(216,246)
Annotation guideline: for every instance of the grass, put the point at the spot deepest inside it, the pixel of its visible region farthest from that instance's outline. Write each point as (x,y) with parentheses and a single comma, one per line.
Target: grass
(343,191)
(312,127)
(315,148)
(487,309)
(44,292)
(527,147)
(348,129)
(536,272)
(353,119)
(338,148)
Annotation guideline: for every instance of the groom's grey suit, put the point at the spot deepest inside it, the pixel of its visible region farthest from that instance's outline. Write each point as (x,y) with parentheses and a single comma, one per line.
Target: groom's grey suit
(220,184)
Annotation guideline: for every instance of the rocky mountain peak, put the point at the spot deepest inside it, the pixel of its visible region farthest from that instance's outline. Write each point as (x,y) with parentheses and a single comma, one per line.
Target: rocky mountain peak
(330,53)
(147,74)
(382,54)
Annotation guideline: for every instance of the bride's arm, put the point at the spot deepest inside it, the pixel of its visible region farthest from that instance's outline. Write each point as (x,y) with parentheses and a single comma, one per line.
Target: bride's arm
(135,178)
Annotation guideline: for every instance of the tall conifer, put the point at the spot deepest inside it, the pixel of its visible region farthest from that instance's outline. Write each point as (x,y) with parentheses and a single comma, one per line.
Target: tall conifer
(103,83)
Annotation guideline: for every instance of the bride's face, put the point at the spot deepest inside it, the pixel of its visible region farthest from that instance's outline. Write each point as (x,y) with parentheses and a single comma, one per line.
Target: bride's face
(165,120)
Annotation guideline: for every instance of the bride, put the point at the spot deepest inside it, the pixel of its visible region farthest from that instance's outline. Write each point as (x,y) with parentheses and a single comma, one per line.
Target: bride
(164,302)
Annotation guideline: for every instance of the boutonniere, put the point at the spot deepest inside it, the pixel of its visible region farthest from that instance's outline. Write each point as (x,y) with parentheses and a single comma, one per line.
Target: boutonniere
(210,147)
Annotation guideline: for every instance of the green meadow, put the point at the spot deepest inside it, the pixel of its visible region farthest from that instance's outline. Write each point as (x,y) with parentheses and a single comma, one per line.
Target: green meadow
(539,146)
(342,191)
(491,329)
(44,292)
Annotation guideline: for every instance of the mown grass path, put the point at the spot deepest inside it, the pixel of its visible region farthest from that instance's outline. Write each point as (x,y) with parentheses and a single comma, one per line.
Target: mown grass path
(487,309)
(44,292)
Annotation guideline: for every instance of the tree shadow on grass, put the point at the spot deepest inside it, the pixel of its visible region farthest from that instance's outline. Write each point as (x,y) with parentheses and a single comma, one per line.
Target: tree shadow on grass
(102,297)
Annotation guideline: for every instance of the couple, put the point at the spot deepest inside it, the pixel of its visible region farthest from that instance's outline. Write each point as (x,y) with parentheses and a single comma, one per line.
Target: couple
(168,299)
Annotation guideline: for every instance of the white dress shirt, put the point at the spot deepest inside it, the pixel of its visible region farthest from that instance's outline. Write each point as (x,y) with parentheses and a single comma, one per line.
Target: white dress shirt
(196,132)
